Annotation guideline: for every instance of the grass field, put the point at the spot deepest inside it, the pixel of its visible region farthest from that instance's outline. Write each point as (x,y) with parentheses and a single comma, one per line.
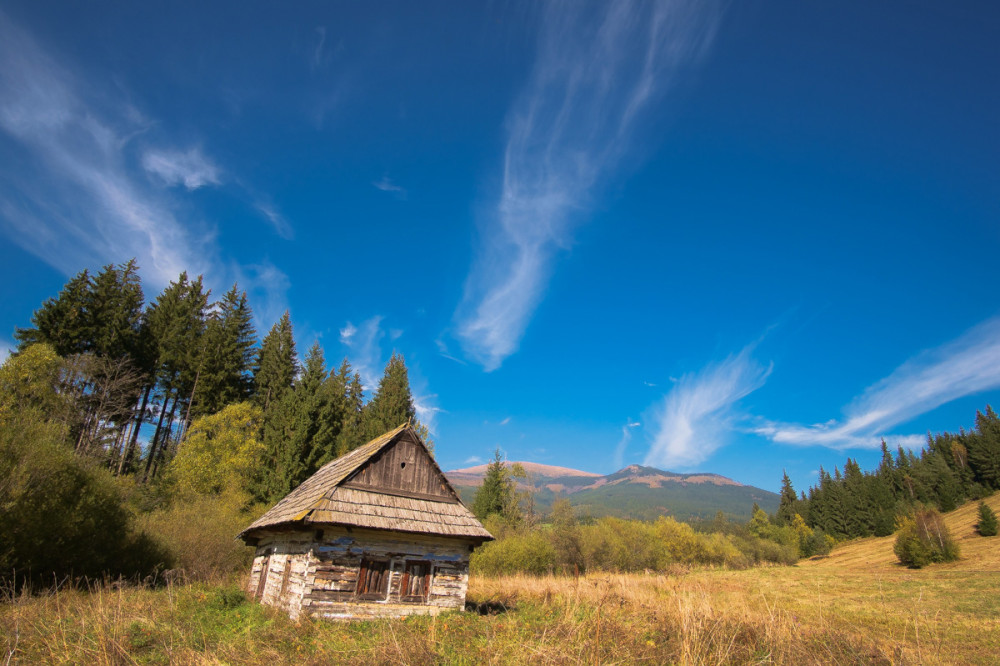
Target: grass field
(856,606)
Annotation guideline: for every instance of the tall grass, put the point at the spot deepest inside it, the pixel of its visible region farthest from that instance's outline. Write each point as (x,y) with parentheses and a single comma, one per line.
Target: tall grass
(857,606)
(775,615)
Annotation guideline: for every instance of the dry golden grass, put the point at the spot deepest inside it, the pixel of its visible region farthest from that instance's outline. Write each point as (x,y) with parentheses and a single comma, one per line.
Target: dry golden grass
(783,615)
(853,607)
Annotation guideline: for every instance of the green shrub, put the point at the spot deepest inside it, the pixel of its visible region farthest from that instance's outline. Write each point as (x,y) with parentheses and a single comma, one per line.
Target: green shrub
(923,538)
(817,543)
(199,531)
(59,516)
(613,544)
(987,521)
(527,552)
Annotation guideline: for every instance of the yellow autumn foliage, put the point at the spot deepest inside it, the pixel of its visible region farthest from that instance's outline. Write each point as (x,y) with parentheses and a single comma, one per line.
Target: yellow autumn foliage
(221,453)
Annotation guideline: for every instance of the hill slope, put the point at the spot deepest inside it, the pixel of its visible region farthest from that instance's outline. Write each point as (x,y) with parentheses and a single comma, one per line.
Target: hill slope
(875,553)
(632,492)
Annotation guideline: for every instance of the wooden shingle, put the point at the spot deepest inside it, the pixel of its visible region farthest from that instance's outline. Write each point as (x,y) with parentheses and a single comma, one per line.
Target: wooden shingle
(390,483)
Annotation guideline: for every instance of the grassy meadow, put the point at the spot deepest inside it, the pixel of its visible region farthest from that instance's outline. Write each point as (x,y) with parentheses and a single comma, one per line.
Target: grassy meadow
(856,606)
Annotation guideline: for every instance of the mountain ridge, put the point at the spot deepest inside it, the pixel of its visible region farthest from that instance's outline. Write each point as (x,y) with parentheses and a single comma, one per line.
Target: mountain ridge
(635,491)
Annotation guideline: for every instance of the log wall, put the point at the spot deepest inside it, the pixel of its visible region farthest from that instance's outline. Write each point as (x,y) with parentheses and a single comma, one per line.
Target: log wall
(322,574)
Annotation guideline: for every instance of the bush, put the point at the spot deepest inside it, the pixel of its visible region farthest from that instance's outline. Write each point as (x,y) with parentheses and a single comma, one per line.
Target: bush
(61,517)
(987,521)
(199,531)
(817,543)
(613,544)
(527,552)
(924,538)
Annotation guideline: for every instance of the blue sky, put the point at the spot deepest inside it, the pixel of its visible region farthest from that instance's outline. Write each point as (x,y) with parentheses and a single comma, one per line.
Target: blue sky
(730,237)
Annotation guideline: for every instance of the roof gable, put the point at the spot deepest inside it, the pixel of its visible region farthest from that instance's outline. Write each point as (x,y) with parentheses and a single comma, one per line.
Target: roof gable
(403,467)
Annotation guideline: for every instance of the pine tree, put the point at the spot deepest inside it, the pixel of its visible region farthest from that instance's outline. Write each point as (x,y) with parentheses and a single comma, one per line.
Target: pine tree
(984,448)
(497,495)
(62,321)
(987,525)
(227,355)
(858,508)
(277,363)
(176,324)
(330,407)
(347,390)
(302,428)
(114,310)
(392,404)
(789,501)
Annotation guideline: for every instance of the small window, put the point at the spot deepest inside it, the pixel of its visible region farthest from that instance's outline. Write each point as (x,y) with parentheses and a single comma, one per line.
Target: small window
(416,581)
(373,579)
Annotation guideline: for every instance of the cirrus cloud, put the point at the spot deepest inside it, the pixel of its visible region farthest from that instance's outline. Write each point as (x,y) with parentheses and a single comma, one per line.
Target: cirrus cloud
(569,130)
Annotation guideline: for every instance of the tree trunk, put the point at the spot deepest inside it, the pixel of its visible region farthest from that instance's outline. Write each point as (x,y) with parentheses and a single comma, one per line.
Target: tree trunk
(137,426)
(165,439)
(187,413)
(156,436)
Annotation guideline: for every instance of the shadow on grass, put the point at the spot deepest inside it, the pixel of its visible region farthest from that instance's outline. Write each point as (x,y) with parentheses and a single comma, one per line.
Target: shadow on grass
(487,607)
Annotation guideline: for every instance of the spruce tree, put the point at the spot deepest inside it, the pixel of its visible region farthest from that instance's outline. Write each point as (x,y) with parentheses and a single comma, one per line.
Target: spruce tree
(788,503)
(227,355)
(281,463)
(299,436)
(114,310)
(984,448)
(277,364)
(347,390)
(61,322)
(987,525)
(497,495)
(176,324)
(392,404)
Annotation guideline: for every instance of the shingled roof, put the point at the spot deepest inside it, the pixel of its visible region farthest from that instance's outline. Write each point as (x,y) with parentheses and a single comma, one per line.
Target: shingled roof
(331,497)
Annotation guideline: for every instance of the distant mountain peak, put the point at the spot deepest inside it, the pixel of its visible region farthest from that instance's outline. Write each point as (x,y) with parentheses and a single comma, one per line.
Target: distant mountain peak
(538,469)
(565,479)
(633,491)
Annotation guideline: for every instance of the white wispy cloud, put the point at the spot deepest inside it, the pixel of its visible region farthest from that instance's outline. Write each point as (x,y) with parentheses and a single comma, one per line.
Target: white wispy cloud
(347,333)
(281,225)
(570,128)
(505,421)
(364,341)
(75,202)
(967,365)
(78,194)
(317,56)
(386,185)
(269,286)
(624,442)
(695,416)
(473,460)
(443,351)
(427,410)
(190,168)
(365,344)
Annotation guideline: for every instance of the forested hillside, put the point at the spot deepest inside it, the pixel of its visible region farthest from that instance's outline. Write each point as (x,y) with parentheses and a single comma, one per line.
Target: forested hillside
(164,425)
(950,470)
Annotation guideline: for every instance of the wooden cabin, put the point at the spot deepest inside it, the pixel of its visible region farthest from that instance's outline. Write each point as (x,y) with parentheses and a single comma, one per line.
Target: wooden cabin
(376,532)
